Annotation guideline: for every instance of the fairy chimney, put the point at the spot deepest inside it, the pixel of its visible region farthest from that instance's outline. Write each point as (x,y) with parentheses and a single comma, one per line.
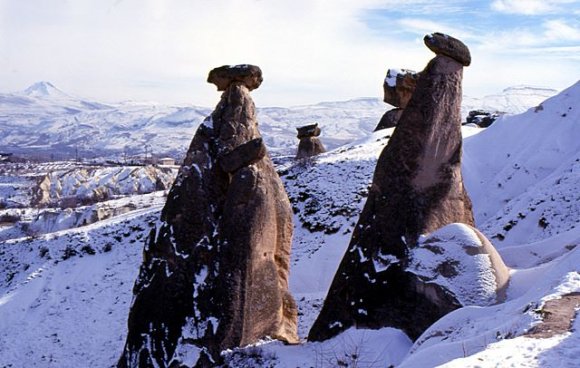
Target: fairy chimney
(215,268)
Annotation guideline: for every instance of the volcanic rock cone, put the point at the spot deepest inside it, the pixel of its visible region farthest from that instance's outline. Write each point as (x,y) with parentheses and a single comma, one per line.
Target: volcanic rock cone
(417,188)
(215,268)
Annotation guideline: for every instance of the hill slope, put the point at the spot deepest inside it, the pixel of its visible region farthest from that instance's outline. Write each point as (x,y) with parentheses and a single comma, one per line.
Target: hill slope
(63,304)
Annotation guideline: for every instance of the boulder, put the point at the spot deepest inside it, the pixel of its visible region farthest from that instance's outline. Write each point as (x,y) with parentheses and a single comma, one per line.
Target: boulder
(308,131)
(482,118)
(442,44)
(399,86)
(389,119)
(417,188)
(215,268)
(310,145)
(247,75)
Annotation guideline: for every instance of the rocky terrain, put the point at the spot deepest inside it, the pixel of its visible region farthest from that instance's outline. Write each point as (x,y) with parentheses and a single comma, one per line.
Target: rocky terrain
(219,257)
(65,295)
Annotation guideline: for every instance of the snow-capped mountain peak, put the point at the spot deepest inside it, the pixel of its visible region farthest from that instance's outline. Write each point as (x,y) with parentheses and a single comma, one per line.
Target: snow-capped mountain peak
(44,89)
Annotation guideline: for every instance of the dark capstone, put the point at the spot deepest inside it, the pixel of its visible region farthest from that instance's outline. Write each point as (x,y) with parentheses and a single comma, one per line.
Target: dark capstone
(482,118)
(443,44)
(311,130)
(248,75)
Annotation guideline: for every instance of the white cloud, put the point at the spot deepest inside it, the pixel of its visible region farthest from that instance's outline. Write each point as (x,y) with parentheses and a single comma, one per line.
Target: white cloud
(531,7)
(309,50)
(424,26)
(559,30)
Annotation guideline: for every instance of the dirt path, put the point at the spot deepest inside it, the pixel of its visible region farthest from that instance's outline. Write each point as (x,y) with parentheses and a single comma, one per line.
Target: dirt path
(557,316)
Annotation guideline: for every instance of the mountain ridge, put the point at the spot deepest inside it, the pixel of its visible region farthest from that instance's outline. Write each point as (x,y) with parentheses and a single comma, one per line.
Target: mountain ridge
(58,124)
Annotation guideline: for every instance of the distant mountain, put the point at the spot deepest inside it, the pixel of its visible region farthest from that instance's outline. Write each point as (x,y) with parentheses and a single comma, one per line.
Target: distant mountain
(512,100)
(44,120)
(44,90)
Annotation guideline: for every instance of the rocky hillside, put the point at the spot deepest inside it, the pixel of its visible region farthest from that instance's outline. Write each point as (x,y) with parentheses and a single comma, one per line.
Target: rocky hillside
(72,288)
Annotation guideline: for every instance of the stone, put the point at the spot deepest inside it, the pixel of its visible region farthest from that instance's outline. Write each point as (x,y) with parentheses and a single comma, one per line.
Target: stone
(398,86)
(309,145)
(442,44)
(417,188)
(389,119)
(215,267)
(482,118)
(307,131)
(248,75)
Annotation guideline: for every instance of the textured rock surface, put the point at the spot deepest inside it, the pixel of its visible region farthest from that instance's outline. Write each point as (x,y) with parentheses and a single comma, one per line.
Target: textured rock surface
(248,75)
(215,270)
(389,119)
(310,145)
(417,188)
(443,44)
(399,86)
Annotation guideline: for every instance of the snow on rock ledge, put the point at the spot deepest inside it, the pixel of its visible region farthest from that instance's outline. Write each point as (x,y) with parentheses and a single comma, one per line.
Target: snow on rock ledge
(461,260)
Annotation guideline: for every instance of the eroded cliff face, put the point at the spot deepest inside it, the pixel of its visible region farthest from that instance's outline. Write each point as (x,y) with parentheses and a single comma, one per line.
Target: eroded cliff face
(417,188)
(215,270)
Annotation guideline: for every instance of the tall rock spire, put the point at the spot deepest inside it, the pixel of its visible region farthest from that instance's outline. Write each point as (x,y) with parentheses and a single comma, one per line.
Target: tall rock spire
(417,188)
(215,270)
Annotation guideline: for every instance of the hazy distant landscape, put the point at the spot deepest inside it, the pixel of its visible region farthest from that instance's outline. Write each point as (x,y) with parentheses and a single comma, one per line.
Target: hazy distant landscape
(46,123)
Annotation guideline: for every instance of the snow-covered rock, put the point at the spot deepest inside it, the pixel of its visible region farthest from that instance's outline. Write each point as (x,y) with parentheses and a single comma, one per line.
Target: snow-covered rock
(463,262)
(85,184)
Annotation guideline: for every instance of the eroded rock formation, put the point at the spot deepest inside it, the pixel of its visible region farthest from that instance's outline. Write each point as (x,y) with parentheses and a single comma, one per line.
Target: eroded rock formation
(310,145)
(417,188)
(215,269)
(482,118)
(398,87)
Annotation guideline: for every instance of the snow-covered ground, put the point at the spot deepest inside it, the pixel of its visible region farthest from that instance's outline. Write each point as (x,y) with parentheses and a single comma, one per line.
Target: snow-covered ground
(65,295)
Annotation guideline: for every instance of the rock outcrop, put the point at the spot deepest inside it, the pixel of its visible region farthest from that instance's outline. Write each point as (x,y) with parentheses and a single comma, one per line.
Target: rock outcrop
(417,188)
(310,145)
(389,119)
(398,87)
(215,269)
(482,118)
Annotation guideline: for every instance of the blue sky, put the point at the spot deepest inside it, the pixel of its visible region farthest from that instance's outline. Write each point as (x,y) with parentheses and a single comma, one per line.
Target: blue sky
(309,50)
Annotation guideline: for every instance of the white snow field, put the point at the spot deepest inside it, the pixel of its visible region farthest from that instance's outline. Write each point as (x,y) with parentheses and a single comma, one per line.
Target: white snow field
(65,295)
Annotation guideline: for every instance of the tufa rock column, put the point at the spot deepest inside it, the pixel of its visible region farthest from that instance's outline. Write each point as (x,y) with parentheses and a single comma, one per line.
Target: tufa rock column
(215,269)
(310,145)
(417,188)
(398,87)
